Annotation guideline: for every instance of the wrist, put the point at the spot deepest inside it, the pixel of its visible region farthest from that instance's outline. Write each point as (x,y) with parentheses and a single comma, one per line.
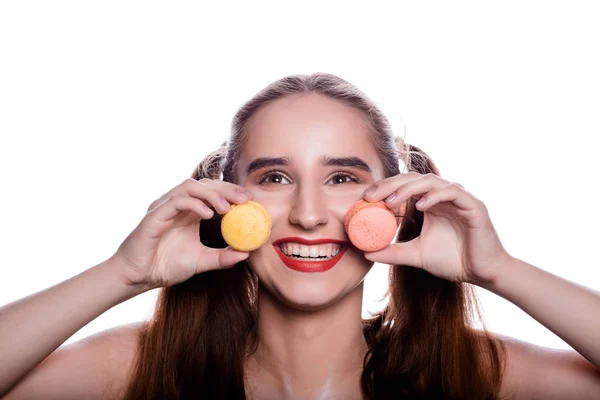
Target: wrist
(503,269)
(117,268)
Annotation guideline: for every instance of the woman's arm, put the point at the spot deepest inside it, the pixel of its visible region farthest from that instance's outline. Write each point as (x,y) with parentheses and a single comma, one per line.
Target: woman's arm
(33,327)
(569,310)
(459,243)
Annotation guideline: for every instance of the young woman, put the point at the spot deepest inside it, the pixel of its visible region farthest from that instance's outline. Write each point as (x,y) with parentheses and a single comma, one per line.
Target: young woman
(234,325)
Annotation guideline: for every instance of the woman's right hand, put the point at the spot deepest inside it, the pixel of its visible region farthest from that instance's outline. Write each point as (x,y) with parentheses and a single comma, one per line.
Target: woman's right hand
(165,248)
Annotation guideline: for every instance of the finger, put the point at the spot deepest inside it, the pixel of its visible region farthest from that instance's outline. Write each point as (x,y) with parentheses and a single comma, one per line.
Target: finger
(191,187)
(231,192)
(449,193)
(175,190)
(158,221)
(383,188)
(158,202)
(211,258)
(217,194)
(414,188)
(406,253)
(216,201)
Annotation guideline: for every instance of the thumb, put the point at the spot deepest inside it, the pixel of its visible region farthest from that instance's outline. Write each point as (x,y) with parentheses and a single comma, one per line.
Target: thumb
(220,258)
(406,253)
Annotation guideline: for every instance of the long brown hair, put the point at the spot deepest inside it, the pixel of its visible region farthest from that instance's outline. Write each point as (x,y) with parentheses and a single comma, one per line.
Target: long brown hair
(422,345)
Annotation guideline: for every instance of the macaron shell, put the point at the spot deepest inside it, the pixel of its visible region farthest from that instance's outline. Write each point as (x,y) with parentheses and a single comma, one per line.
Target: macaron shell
(360,205)
(370,226)
(246,227)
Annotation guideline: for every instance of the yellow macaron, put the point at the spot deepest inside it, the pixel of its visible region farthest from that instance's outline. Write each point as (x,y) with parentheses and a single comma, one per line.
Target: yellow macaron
(246,227)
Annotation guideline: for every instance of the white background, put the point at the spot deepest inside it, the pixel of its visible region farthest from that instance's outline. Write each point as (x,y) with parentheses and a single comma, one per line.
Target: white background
(104,106)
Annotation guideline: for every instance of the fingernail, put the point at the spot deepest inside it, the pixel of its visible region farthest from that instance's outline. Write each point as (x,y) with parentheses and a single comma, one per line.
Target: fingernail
(370,190)
(391,198)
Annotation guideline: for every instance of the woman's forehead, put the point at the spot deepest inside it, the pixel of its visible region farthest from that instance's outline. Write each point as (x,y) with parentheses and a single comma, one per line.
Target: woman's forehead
(307,115)
(307,130)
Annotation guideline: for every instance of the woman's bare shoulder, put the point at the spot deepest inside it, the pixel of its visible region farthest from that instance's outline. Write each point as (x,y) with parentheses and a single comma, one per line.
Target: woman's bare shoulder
(94,367)
(536,372)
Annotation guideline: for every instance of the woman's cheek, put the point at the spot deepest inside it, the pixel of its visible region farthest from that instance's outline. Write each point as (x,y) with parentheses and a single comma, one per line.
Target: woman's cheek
(275,204)
(341,200)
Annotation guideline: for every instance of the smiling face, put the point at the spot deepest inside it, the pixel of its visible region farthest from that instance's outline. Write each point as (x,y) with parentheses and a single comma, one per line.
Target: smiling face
(307,159)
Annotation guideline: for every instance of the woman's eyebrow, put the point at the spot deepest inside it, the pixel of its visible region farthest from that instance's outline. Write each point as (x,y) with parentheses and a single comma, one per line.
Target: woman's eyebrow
(353,162)
(263,162)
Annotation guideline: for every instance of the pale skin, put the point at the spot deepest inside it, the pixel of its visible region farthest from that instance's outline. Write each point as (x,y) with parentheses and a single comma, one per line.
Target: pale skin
(311,344)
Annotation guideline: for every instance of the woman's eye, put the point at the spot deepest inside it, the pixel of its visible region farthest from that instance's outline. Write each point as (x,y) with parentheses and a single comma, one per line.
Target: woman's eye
(277,178)
(341,178)
(270,175)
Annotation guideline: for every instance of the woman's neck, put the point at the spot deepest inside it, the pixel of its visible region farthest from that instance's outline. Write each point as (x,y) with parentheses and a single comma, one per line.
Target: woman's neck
(308,354)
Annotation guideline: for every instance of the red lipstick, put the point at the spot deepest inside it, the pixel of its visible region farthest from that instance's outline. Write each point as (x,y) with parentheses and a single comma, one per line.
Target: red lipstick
(310,266)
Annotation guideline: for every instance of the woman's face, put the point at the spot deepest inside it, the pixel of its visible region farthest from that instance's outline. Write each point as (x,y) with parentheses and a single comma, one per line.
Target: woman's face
(305,197)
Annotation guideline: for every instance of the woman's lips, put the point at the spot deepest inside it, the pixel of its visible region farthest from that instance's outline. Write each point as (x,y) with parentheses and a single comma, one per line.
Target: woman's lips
(310,266)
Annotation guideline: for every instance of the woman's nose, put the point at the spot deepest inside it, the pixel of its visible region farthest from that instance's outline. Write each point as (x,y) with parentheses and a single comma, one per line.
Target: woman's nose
(309,208)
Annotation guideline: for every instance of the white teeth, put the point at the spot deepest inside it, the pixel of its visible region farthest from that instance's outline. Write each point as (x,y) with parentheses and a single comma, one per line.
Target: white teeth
(314,252)
(327,250)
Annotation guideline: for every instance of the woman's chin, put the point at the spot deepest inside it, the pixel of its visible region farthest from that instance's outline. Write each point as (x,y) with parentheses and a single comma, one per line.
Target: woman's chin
(308,290)
(312,296)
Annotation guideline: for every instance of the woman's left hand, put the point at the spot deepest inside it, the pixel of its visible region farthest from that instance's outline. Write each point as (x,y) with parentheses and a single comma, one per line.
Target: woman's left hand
(457,242)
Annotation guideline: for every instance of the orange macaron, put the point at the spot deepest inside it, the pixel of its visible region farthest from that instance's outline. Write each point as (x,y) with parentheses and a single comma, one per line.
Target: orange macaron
(246,227)
(370,226)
